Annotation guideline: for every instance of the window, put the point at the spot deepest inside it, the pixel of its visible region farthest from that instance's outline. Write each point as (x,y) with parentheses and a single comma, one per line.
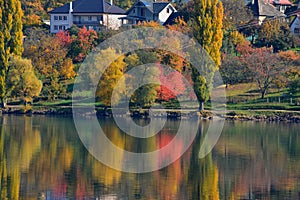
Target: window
(297,30)
(100,18)
(60,28)
(56,18)
(55,28)
(60,17)
(142,12)
(168,10)
(90,18)
(133,11)
(65,18)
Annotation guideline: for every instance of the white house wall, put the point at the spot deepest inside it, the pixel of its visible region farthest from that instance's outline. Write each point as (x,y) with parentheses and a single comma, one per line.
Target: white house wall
(112,21)
(60,22)
(164,15)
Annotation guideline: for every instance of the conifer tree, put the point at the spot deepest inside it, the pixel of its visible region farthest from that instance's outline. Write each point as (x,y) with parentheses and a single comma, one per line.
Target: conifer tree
(207,28)
(10,38)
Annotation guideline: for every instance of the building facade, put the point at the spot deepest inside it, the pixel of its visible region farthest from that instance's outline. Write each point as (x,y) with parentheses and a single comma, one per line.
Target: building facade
(93,14)
(148,11)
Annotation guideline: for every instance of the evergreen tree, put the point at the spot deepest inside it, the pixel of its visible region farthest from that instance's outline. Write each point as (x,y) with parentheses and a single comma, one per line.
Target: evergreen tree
(207,27)
(10,38)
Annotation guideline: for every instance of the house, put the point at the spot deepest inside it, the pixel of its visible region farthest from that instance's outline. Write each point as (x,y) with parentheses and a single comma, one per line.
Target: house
(264,10)
(93,14)
(148,11)
(295,24)
(281,5)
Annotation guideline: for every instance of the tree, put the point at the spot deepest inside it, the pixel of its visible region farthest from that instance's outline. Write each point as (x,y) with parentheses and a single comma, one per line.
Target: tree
(207,28)
(110,78)
(145,95)
(236,13)
(275,33)
(294,80)
(170,80)
(233,71)
(11,38)
(22,81)
(82,44)
(264,65)
(49,58)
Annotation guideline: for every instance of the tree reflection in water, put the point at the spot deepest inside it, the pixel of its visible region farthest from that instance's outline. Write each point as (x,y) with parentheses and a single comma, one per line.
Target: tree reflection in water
(42,157)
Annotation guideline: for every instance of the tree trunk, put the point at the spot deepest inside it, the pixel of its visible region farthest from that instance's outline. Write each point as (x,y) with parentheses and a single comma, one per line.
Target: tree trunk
(201,106)
(263,93)
(3,103)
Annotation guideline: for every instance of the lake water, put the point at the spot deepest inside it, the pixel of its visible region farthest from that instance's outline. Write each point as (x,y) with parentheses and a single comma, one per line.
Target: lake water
(43,158)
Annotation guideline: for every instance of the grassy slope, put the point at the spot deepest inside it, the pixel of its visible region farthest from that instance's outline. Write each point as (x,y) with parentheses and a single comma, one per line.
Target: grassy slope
(245,96)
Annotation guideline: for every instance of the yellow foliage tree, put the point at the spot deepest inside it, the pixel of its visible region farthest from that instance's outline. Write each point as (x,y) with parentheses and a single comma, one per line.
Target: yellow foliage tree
(110,78)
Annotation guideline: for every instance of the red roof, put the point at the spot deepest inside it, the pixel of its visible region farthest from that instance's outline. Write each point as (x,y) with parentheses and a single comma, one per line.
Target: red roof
(281,2)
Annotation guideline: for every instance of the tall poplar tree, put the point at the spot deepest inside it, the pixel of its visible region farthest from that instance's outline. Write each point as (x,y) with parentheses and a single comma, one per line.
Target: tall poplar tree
(207,28)
(11,38)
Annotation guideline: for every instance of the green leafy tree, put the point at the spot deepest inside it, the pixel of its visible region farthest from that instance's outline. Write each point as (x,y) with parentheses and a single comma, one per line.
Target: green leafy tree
(11,38)
(145,95)
(22,81)
(207,27)
(294,80)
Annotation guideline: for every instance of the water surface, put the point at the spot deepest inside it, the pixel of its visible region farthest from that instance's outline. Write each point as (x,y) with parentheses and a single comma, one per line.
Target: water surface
(43,158)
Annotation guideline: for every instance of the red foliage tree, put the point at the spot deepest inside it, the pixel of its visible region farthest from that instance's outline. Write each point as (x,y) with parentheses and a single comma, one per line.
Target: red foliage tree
(264,65)
(82,44)
(64,38)
(172,85)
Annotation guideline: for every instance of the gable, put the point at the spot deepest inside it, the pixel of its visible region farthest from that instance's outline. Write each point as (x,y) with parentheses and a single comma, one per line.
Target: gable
(159,6)
(262,8)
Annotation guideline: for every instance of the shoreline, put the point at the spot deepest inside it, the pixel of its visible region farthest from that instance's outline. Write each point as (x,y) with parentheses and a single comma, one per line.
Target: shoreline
(231,115)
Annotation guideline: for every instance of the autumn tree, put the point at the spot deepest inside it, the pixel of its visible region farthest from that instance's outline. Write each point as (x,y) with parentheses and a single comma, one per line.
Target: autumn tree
(82,44)
(170,80)
(264,65)
(110,78)
(49,58)
(275,33)
(145,95)
(236,13)
(233,70)
(207,28)
(22,81)
(11,38)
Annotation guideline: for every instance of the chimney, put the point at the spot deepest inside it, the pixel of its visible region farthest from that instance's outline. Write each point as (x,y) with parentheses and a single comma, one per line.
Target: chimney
(111,2)
(71,7)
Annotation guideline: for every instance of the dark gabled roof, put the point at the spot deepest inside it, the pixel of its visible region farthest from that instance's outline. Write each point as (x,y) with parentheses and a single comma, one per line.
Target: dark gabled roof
(175,15)
(159,6)
(112,9)
(89,6)
(262,8)
(63,9)
(154,7)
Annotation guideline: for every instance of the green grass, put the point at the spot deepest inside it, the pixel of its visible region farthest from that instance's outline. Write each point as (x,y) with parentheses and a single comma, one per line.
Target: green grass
(246,96)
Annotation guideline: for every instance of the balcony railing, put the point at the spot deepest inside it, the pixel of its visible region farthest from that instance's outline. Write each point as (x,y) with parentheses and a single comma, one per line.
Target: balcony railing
(87,22)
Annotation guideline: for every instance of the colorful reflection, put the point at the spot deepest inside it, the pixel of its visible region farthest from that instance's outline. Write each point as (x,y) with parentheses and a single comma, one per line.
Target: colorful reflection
(43,158)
